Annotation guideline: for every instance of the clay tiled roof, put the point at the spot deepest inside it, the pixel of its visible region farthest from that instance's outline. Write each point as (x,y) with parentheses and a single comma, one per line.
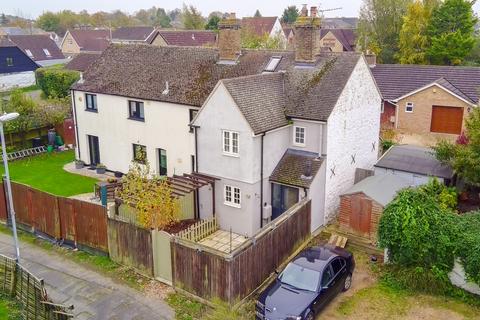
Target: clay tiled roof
(261,100)
(133,33)
(396,80)
(82,61)
(259,25)
(346,37)
(192,38)
(35,44)
(297,168)
(91,40)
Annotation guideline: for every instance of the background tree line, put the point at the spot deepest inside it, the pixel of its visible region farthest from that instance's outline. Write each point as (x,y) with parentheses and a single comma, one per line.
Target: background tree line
(420,31)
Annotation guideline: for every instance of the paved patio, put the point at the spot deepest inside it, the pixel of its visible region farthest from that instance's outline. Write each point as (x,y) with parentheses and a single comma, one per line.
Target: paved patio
(220,240)
(85,171)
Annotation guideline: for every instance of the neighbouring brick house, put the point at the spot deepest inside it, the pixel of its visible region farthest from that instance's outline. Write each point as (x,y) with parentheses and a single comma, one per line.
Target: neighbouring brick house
(338,40)
(362,205)
(85,40)
(431,102)
(184,38)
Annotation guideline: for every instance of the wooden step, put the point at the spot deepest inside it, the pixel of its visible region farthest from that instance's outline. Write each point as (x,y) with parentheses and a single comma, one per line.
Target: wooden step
(338,240)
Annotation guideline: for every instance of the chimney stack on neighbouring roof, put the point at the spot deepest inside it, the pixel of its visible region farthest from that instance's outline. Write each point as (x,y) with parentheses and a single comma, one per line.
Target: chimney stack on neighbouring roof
(307,35)
(229,43)
(371,59)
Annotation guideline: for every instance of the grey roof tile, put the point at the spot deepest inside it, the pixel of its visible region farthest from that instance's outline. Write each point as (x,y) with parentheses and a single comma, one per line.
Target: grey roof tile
(292,168)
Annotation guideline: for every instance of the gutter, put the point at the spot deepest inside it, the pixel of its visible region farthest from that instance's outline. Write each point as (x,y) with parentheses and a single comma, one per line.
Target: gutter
(76,123)
(261,180)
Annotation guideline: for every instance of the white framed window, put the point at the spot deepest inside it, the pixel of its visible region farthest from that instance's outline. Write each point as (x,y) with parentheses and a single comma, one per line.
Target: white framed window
(232,196)
(47,53)
(299,135)
(230,142)
(29,53)
(409,107)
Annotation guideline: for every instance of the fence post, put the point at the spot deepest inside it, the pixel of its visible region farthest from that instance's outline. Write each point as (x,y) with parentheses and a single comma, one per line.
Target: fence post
(103,195)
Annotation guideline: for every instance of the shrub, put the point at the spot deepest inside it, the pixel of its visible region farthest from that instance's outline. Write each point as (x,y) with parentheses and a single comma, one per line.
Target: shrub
(468,245)
(417,231)
(56,82)
(447,197)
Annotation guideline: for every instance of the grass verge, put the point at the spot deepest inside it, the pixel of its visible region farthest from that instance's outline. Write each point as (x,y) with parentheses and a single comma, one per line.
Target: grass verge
(9,309)
(186,308)
(45,172)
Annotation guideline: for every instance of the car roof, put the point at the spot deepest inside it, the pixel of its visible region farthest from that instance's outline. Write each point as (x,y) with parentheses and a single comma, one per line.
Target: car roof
(316,258)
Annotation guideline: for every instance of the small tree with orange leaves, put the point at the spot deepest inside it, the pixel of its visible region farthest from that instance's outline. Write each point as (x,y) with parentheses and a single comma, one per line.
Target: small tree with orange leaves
(149,195)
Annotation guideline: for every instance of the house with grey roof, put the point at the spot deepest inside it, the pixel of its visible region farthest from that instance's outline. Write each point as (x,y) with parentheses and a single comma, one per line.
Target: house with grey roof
(136,34)
(414,163)
(296,130)
(430,102)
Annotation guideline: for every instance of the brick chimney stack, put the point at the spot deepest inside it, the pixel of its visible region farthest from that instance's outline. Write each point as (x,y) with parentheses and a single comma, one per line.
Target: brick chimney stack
(229,44)
(307,35)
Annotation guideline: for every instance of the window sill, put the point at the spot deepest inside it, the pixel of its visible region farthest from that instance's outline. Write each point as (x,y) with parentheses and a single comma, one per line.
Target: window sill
(136,119)
(303,145)
(237,206)
(233,155)
(92,110)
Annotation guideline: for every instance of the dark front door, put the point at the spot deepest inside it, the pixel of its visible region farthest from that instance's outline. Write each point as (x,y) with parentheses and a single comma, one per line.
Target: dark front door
(283,197)
(94,149)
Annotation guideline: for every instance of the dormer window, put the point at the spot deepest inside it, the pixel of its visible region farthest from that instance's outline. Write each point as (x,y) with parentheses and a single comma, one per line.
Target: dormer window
(47,53)
(272,64)
(29,53)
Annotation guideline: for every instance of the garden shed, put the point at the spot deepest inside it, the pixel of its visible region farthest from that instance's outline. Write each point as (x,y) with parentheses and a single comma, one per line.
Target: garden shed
(362,205)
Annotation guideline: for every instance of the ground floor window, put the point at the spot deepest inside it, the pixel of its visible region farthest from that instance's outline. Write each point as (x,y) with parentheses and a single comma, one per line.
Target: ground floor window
(139,153)
(162,162)
(232,196)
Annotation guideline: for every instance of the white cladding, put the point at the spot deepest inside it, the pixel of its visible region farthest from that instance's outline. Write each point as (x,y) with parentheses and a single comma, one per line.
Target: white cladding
(165,127)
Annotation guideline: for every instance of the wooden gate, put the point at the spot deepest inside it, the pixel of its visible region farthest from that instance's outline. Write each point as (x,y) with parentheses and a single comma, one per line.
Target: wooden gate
(360,214)
(162,256)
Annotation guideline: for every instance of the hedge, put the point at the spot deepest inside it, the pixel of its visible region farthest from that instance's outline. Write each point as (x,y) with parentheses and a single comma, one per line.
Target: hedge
(56,82)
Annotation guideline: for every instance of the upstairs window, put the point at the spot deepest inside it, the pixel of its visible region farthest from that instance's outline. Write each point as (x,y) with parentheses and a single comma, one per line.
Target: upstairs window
(232,196)
(9,62)
(139,153)
(29,53)
(192,114)
(409,107)
(91,102)
(299,136)
(135,110)
(47,53)
(230,143)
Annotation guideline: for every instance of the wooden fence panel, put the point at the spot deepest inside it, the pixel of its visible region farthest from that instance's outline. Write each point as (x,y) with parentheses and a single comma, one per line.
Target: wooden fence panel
(130,245)
(91,224)
(3,204)
(67,219)
(209,275)
(44,212)
(21,203)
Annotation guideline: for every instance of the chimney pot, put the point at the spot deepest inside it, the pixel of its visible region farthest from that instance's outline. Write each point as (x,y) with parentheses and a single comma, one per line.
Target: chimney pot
(304,11)
(313,12)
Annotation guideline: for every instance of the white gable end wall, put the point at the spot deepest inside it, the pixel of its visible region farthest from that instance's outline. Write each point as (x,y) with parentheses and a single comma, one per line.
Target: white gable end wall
(352,130)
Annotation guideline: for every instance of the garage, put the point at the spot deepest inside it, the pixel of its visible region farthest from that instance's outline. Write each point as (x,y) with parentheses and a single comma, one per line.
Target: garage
(447,119)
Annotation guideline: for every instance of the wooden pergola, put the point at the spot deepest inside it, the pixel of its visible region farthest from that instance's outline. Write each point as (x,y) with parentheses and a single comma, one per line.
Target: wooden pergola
(192,182)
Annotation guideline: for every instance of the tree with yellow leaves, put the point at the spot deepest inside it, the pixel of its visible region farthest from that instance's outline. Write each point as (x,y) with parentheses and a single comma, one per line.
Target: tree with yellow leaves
(149,195)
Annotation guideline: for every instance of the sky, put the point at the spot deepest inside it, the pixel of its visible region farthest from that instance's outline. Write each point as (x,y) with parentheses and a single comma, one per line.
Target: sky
(32,8)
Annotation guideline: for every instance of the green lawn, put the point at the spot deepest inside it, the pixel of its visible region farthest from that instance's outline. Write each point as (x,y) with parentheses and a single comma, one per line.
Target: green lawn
(46,173)
(9,310)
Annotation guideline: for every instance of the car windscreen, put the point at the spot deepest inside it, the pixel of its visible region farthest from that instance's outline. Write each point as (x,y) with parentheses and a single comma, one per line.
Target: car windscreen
(300,277)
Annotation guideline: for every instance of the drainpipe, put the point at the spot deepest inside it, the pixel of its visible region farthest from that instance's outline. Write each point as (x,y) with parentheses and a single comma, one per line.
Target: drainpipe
(261,180)
(196,193)
(76,123)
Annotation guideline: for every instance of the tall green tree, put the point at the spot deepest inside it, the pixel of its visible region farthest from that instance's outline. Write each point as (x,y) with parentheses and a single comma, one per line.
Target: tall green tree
(162,19)
(379,27)
(290,15)
(212,23)
(192,18)
(48,21)
(451,32)
(257,14)
(413,42)
(3,19)
(27,109)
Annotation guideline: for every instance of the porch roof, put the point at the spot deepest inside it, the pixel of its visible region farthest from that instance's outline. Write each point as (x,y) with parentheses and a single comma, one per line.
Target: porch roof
(297,168)
(182,185)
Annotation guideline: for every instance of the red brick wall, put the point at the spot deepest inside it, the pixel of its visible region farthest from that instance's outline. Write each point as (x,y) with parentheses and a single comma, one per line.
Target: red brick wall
(346,210)
(388,112)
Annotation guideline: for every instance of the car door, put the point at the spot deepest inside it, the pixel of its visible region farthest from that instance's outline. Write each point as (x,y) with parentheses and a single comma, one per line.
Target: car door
(326,289)
(339,267)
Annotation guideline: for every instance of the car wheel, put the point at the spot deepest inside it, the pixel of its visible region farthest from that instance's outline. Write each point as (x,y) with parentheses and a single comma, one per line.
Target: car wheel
(309,316)
(348,282)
